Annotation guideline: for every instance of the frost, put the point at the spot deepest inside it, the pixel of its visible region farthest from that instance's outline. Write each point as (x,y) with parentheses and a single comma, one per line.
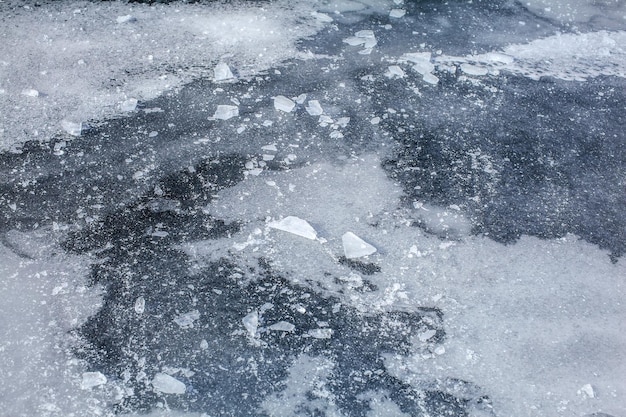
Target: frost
(296,226)
(222,72)
(167,384)
(314,108)
(92,379)
(225,112)
(355,247)
(186,320)
(283,103)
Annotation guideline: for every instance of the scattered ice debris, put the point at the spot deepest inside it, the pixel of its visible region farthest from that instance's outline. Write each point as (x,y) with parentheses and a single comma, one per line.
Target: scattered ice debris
(283,103)
(30,92)
(366,38)
(587,391)
(322,17)
(222,72)
(92,379)
(421,64)
(470,69)
(167,384)
(251,323)
(314,108)
(186,320)
(225,112)
(321,333)
(126,19)
(140,305)
(282,326)
(128,105)
(394,71)
(74,129)
(296,226)
(355,247)
(397,13)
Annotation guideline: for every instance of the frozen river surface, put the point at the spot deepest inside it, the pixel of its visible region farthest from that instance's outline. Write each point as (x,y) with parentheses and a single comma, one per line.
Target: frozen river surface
(313,208)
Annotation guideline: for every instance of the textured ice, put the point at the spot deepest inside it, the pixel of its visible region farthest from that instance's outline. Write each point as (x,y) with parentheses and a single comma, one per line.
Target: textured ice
(167,384)
(225,112)
(355,247)
(92,379)
(222,72)
(283,103)
(296,226)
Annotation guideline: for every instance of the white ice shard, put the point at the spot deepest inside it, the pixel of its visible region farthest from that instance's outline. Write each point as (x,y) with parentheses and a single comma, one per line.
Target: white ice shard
(355,247)
(394,71)
(296,226)
(186,320)
(321,333)
(222,72)
(126,19)
(92,379)
(477,70)
(251,322)
(225,112)
(167,384)
(30,92)
(74,129)
(128,105)
(282,326)
(314,108)
(363,37)
(140,305)
(397,13)
(283,103)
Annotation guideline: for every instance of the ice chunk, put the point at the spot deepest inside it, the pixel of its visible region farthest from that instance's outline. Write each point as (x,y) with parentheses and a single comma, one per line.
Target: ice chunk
(270,148)
(314,108)
(363,37)
(30,92)
(282,326)
(222,72)
(470,69)
(394,71)
(226,111)
(321,333)
(296,226)
(251,322)
(126,19)
(426,335)
(301,99)
(587,391)
(283,103)
(355,247)
(186,320)
(397,13)
(92,379)
(167,384)
(140,305)
(430,78)
(416,57)
(322,17)
(128,105)
(72,128)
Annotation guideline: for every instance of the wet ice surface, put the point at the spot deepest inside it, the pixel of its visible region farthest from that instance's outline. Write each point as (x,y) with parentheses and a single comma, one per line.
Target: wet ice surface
(424,214)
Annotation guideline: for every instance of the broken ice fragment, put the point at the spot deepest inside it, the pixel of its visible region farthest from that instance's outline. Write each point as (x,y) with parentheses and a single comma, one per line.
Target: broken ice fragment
(301,98)
(251,323)
(225,112)
(397,13)
(430,78)
(140,305)
(355,247)
(282,326)
(128,105)
(322,17)
(222,72)
(186,320)
(30,92)
(587,391)
(321,333)
(126,19)
(167,384)
(394,71)
(426,335)
(72,128)
(314,108)
(470,69)
(283,103)
(92,379)
(296,226)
